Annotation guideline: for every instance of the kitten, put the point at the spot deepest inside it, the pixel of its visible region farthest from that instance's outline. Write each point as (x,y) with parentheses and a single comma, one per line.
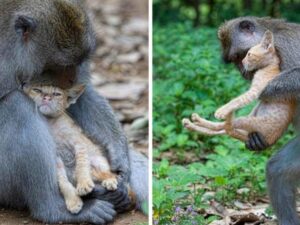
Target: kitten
(91,165)
(270,119)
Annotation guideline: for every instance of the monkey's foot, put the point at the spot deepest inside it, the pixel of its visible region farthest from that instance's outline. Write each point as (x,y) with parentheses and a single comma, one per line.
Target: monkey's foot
(74,204)
(110,184)
(85,187)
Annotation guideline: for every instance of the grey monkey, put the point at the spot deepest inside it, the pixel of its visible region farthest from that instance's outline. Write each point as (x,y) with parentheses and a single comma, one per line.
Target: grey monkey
(56,36)
(283,169)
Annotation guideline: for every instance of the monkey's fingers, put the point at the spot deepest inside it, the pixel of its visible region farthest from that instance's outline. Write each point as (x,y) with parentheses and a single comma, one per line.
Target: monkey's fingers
(256,142)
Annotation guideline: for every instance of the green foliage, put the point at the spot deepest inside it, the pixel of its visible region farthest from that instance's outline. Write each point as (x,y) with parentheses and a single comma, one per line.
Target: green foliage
(214,12)
(189,76)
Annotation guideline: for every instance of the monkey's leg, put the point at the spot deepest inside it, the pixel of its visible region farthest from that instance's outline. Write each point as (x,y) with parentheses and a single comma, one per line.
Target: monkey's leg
(285,86)
(28,167)
(206,123)
(283,174)
(73,201)
(203,130)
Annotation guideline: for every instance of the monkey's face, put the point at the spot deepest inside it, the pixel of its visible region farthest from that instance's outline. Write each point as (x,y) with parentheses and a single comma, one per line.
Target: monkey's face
(237,36)
(52,35)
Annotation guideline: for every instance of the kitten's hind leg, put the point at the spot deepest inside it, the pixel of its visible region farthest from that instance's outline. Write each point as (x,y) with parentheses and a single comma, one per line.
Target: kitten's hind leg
(206,123)
(107,179)
(203,130)
(101,172)
(73,201)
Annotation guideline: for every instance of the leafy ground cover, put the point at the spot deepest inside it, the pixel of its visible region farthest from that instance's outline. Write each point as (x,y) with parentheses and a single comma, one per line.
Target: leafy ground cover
(195,175)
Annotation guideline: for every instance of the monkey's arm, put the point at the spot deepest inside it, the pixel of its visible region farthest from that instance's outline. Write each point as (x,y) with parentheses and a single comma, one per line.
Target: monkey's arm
(285,86)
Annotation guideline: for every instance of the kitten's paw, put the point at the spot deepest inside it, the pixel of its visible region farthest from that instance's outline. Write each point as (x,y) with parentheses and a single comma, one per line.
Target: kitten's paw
(110,184)
(186,122)
(197,119)
(85,187)
(74,205)
(222,113)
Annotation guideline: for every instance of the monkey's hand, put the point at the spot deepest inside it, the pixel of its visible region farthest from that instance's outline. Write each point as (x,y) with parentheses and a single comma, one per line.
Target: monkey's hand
(256,142)
(223,112)
(120,165)
(285,86)
(119,198)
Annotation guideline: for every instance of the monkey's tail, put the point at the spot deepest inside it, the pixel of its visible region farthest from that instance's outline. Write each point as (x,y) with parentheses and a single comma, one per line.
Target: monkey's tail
(231,131)
(139,180)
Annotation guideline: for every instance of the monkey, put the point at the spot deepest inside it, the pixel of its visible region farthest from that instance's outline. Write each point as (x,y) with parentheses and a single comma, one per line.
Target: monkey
(283,169)
(56,36)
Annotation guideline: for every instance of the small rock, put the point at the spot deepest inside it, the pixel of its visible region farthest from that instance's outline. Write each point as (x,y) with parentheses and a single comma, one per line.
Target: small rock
(130,58)
(139,123)
(136,26)
(113,20)
(243,191)
(122,91)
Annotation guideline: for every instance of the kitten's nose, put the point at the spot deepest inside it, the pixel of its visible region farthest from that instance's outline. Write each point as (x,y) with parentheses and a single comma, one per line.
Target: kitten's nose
(46,98)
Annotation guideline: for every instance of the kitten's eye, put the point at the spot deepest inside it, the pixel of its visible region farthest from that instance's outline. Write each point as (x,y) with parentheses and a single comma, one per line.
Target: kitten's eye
(37,90)
(249,54)
(56,94)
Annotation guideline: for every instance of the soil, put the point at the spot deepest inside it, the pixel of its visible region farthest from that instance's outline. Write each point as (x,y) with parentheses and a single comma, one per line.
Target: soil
(119,71)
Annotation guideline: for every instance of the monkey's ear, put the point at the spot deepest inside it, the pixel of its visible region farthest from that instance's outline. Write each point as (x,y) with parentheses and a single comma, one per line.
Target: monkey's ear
(267,41)
(246,26)
(24,25)
(74,93)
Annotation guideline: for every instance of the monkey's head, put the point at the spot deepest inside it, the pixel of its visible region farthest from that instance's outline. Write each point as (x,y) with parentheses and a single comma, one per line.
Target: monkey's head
(53,35)
(237,36)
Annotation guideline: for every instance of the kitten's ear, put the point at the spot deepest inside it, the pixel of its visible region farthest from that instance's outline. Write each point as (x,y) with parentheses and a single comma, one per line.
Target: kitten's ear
(26,88)
(267,40)
(74,93)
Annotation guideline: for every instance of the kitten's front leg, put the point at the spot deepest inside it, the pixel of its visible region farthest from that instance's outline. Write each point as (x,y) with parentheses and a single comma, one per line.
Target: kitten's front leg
(237,103)
(85,183)
(224,111)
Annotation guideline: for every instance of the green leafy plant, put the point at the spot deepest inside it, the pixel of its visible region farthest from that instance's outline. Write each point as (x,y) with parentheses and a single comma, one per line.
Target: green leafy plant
(191,169)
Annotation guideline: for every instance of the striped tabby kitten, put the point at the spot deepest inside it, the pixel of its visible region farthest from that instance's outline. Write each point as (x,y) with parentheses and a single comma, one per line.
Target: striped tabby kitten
(91,164)
(270,119)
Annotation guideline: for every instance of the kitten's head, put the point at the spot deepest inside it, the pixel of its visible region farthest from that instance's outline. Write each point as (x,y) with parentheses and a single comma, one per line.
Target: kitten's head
(261,55)
(52,101)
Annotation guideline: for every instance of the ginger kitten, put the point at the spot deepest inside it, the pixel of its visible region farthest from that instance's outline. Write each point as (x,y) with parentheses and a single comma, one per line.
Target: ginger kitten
(91,165)
(270,119)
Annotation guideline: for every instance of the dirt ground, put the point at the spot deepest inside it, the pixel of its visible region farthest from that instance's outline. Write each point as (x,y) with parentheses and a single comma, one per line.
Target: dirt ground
(120,72)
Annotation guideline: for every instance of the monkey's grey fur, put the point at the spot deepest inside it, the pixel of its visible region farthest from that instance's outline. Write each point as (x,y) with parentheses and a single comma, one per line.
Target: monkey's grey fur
(283,169)
(54,35)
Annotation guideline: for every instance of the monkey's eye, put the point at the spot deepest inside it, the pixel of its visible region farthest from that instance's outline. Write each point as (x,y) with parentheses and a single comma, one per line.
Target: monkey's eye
(37,90)
(57,94)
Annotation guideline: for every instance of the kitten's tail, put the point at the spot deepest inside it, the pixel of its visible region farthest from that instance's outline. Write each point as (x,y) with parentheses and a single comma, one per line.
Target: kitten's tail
(139,180)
